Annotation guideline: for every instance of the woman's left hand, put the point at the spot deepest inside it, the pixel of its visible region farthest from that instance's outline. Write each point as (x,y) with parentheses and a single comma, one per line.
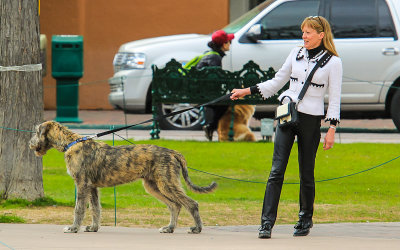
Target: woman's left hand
(329,139)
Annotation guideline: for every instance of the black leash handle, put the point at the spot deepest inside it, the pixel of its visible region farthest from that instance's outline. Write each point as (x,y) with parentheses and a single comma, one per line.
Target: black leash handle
(158,118)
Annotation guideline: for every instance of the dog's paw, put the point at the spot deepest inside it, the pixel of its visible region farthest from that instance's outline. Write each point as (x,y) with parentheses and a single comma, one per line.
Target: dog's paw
(71,229)
(166,229)
(91,228)
(194,230)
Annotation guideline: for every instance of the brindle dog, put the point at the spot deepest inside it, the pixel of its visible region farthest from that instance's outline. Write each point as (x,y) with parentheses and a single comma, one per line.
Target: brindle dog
(95,164)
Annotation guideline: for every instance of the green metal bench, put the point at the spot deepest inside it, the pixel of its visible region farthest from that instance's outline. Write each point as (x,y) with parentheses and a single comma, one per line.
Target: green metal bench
(174,84)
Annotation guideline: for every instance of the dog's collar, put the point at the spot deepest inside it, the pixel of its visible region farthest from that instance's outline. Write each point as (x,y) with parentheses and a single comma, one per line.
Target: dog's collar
(75,142)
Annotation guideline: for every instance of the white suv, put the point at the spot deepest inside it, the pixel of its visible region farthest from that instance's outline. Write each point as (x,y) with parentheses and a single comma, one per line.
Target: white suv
(366,38)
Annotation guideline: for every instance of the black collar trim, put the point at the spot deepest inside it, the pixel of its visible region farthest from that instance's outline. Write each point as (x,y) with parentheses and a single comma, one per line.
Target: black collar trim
(299,55)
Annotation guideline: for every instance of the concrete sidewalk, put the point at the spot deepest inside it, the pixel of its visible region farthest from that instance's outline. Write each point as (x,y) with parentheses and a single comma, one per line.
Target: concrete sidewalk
(323,236)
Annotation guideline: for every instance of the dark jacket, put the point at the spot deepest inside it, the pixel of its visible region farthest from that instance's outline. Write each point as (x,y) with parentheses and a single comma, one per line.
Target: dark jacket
(212,59)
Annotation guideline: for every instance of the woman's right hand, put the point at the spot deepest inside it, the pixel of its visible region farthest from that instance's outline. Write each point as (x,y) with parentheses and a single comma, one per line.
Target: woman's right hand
(239,93)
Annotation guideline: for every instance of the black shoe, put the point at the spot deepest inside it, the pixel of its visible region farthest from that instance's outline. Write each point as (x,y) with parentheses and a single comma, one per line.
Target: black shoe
(302,228)
(264,232)
(208,132)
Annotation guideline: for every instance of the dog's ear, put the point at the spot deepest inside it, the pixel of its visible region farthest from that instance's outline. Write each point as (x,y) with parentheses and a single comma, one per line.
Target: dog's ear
(42,129)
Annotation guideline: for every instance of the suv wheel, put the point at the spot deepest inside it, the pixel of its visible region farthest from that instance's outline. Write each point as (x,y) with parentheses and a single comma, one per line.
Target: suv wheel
(190,120)
(395,109)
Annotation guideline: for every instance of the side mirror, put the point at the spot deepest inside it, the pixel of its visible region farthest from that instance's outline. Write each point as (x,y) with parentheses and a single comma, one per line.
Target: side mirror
(254,32)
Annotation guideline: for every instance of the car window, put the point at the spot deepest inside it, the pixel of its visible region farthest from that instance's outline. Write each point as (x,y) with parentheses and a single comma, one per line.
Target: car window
(284,21)
(385,21)
(360,19)
(244,19)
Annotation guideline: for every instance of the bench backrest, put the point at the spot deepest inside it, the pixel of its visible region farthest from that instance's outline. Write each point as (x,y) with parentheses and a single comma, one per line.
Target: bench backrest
(174,84)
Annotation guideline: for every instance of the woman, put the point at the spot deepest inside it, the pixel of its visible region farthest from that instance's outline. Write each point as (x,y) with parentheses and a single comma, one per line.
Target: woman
(318,40)
(220,43)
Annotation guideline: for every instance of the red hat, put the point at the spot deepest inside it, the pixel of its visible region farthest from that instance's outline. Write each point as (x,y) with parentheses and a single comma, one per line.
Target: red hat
(220,37)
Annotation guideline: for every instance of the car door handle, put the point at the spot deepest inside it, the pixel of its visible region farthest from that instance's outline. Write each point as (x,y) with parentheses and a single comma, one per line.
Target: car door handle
(390,51)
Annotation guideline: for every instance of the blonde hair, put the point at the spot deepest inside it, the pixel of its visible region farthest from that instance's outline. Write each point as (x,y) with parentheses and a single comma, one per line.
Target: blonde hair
(320,24)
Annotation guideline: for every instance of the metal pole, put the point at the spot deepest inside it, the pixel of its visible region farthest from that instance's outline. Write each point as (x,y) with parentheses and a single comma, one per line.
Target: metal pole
(115,192)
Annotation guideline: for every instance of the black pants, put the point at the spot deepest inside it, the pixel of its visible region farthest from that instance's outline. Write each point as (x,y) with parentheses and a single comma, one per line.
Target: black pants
(213,113)
(308,138)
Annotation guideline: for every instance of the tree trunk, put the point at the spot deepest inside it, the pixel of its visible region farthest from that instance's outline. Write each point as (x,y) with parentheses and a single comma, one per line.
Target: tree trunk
(21,100)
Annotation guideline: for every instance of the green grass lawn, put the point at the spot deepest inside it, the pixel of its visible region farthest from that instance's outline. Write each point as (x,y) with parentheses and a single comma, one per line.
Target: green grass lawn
(370,196)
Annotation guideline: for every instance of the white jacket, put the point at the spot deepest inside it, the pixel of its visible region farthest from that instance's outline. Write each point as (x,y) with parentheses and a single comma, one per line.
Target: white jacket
(296,69)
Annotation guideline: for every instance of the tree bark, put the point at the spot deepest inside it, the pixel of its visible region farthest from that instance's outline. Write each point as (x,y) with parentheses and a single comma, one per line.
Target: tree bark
(21,100)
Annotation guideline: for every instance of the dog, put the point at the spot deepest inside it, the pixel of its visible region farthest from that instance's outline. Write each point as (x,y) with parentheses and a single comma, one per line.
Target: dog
(242,116)
(94,164)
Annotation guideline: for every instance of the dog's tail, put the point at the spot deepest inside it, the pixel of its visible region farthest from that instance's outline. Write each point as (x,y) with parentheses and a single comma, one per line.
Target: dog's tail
(192,186)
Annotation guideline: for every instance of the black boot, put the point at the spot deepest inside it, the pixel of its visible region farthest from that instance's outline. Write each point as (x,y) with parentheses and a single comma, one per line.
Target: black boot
(302,227)
(264,232)
(208,132)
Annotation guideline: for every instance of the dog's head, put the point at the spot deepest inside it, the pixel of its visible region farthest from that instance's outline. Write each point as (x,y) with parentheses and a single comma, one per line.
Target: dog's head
(40,142)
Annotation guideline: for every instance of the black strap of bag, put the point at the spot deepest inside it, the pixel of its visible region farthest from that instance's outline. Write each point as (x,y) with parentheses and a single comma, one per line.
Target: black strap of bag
(320,63)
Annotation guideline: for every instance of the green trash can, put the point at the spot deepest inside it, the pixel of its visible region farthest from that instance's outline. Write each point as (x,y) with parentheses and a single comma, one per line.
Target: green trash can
(67,69)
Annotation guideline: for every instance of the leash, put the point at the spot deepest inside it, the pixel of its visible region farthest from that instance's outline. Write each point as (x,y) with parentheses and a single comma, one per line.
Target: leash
(158,118)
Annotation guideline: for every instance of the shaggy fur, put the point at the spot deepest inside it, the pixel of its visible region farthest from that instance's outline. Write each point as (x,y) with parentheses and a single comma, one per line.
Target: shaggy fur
(95,164)
(242,132)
